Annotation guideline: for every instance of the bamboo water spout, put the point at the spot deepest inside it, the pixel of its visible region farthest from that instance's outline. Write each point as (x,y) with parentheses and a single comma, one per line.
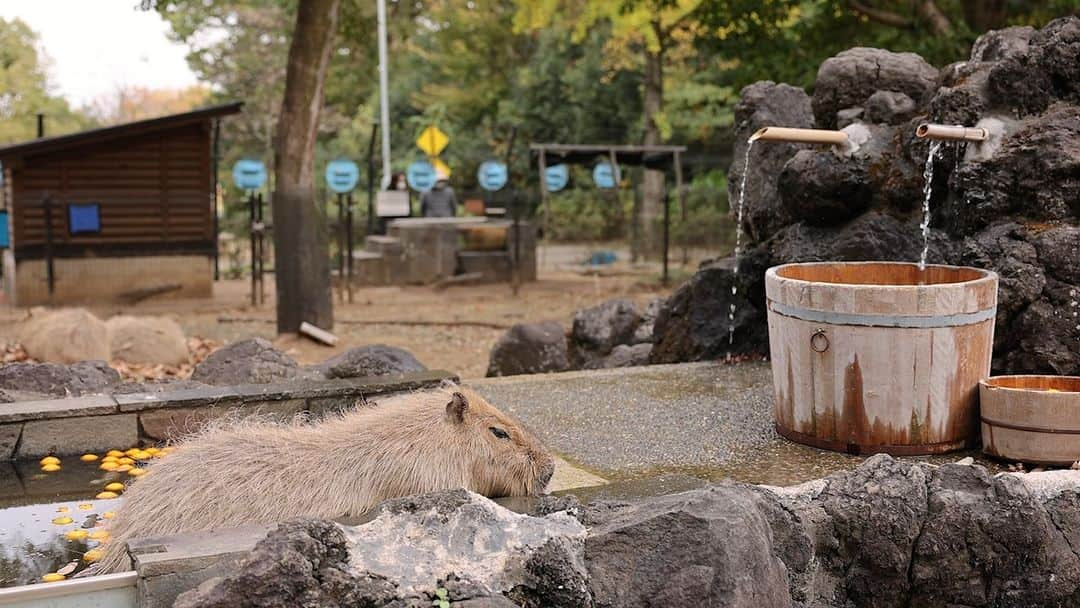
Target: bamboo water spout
(802,136)
(952,133)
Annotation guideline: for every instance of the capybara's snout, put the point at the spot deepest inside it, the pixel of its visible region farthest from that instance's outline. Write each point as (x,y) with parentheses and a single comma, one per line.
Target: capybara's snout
(546,469)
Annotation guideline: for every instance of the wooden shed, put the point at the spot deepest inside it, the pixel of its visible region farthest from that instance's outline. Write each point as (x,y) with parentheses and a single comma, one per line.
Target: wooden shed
(122,210)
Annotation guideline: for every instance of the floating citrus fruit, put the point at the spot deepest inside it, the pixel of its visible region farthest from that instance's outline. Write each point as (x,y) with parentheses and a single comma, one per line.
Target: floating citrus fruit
(115,486)
(122,468)
(62,521)
(86,507)
(88,457)
(50,468)
(114,453)
(109,459)
(136,472)
(104,495)
(153,451)
(76,534)
(108,514)
(49,460)
(93,555)
(132,451)
(52,577)
(125,460)
(108,466)
(99,534)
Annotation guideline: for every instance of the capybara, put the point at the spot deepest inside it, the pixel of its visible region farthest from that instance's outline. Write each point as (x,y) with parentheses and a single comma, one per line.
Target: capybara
(264,472)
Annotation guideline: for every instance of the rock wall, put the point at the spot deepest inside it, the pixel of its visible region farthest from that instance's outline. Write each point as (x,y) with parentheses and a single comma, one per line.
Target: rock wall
(1012,205)
(887,534)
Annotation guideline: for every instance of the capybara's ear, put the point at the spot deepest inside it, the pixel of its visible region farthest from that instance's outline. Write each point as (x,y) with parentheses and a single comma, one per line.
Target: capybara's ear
(455,410)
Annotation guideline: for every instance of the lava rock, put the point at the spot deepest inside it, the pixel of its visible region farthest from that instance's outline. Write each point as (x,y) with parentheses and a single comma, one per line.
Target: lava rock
(1059,252)
(597,330)
(530,348)
(64,336)
(82,378)
(1018,83)
(252,361)
(301,563)
(996,45)
(871,236)
(371,360)
(765,104)
(1056,50)
(824,188)
(693,324)
(709,547)
(154,340)
(852,76)
(890,107)
(644,332)
(1045,337)
(849,116)
(623,356)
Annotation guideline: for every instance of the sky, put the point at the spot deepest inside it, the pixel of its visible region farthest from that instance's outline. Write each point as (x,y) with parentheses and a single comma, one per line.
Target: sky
(96,46)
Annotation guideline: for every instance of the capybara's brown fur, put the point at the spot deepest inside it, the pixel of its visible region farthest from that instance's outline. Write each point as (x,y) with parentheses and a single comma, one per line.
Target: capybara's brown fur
(261,472)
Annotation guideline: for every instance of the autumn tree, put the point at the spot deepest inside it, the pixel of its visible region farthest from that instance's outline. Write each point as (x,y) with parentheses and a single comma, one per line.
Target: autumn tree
(132,102)
(25,90)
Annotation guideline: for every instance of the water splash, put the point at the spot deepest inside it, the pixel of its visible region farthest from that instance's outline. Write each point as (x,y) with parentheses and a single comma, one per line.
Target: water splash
(928,177)
(738,241)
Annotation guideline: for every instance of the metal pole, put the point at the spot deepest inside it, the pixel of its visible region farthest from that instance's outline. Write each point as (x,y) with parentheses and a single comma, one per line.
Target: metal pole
(341,235)
(384,96)
(348,246)
(371,181)
(262,250)
(682,208)
(544,201)
(213,195)
(667,230)
(254,245)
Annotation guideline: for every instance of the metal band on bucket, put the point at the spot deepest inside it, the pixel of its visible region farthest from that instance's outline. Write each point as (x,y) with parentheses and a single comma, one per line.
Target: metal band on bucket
(904,321)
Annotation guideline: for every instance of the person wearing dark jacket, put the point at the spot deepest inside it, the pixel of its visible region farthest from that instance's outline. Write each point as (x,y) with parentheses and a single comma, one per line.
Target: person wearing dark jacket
(440,201)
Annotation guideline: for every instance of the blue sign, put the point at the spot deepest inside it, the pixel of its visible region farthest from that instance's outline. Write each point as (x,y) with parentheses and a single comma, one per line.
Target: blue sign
(342,175)
(4,242)
(556,177)
(603,176)
(492,175)
(420,175)
(84,218)
(249,174)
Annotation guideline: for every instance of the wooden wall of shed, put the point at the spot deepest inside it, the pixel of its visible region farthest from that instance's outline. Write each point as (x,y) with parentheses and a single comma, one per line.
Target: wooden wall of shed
(153,189)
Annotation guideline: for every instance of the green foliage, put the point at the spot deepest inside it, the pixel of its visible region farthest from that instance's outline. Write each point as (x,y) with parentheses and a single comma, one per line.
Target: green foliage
(25,90)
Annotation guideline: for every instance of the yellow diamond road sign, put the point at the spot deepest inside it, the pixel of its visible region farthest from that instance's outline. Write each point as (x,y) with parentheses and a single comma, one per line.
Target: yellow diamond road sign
(441,166)
(432,140)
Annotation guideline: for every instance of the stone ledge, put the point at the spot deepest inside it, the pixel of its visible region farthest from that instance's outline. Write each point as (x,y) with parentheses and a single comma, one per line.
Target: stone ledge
(90,405)
(96,423)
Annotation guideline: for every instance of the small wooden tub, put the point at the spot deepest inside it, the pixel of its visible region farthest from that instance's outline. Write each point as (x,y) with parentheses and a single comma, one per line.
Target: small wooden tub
(880,356)
(1033,419)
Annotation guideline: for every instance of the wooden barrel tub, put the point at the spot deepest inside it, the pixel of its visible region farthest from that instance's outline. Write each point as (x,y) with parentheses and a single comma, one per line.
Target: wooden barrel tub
(874,357)
(1034,419)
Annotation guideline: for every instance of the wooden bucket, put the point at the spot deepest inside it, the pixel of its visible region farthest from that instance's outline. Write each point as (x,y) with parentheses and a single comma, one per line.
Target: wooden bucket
(1032,419)
(484,238)
(874,357)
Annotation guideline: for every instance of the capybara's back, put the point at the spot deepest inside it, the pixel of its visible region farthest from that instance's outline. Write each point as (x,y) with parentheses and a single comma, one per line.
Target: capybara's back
(262,472)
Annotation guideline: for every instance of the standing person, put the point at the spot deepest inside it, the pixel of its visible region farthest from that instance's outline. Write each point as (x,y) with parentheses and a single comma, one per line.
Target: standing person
(440,201)
(397,183)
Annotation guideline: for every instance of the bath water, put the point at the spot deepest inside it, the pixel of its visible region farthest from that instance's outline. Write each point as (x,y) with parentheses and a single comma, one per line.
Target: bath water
(928,177)
(738,241)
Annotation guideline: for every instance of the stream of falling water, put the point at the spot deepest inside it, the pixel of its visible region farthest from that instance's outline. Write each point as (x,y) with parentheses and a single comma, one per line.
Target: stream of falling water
(928,177)
(738,242)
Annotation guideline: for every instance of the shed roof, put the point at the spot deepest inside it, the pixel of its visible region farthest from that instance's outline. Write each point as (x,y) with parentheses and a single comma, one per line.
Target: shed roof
(94,136)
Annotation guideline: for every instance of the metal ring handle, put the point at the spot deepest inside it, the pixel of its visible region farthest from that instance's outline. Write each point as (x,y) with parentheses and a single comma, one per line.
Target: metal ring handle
(816,340)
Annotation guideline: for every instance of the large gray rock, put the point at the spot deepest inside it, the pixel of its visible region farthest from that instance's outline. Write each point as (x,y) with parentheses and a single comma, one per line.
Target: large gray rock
(644,332)
(64,336)
(693,324)
(530,348)
(252,361)
(599,329)
(461,541)
(890,107)
(996,45)
(871,236)
(623,356)
(709,547)
(82,378)
(371,360)
(1059,252)
(852,76)
(764,104)
(1045,338)
(824,188)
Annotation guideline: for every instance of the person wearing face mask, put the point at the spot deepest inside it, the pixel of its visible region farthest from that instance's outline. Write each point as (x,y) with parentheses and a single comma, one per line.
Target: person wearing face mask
(440,201)
(398,183)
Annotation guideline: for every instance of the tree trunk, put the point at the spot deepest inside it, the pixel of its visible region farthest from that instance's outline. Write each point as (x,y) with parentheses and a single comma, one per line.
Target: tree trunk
(301,257)
(653,184)
(983,15)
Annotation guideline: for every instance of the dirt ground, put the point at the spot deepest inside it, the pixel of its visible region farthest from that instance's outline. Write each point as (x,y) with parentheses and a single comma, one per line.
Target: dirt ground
(452,329)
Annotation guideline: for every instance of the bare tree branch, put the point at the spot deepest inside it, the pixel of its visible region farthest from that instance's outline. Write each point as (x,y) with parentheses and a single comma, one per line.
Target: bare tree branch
(939,23)
(880,15)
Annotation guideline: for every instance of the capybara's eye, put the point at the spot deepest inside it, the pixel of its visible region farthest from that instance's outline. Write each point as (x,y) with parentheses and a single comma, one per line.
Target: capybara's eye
(501,434)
